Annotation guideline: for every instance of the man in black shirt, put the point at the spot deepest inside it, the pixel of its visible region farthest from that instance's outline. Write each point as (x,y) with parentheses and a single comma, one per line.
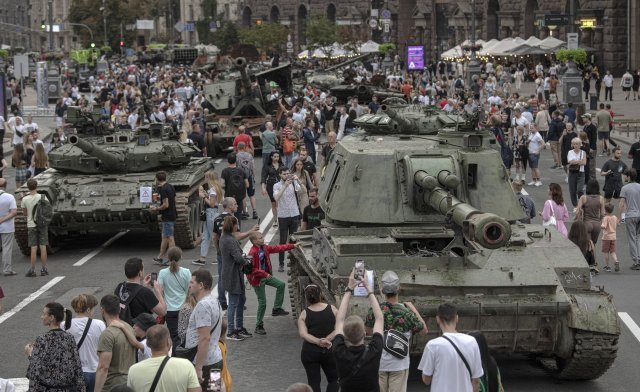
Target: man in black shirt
(167,210)
(612,170)
(312,215)
(357,364)
(198,140)
(137,284)
(236,183)
(592,133)
(553,138)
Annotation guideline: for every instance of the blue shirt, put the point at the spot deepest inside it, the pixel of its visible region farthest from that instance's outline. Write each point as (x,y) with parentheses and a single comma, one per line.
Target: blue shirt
(175,287)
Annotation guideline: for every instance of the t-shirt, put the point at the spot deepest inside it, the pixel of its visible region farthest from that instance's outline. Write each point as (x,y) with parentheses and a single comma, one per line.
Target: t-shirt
(144,301)
(89,349)
(245,162)
(166,191)
(634,153)
(246,139)
(613,181)
(234,185)
(178,375)
(29,202)
(7,203)
(175,287)
(206,314)
(269,142)
(575,156)
(535,143)
(310,167)
(609,225)
(441,361)
(366,379)
(123,355)
(198,141)
(604,118)
(631,195)
(312,216)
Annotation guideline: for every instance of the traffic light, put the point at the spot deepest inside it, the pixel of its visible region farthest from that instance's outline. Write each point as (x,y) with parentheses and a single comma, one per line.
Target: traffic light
(121,43)
(43,25)
(93,45)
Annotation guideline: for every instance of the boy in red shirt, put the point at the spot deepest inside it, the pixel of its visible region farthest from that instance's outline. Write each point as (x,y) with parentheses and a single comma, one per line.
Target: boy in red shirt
(261,276)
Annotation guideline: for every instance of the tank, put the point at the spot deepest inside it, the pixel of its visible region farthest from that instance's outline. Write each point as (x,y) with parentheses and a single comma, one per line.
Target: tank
(438,209)
(95,186)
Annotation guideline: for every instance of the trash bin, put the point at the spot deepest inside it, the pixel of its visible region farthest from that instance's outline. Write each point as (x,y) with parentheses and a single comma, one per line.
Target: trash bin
(593,102)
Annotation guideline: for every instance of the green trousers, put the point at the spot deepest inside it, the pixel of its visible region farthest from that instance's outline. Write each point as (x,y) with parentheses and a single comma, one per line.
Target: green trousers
(262,297)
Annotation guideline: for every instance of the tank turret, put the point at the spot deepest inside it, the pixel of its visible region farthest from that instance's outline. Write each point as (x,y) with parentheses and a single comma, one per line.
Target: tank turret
(425,194)
(109,161)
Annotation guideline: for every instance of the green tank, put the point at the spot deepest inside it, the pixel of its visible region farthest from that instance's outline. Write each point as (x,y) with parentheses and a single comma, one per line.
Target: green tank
(438,209)
(95,186)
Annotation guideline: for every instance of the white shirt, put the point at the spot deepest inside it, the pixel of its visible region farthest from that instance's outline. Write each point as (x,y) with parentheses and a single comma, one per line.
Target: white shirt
(17,139)
(495,100)
(132,120)
(522,121)
(535,143)
(158,116)
(30,127)
(441,361)
(89,349)
(573,156)
(527,114)
(608,80)
(288,202)
(7,203)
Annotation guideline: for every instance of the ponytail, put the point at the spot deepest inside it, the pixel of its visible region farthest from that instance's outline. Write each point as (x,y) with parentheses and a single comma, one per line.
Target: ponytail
(173,266)
(67,319)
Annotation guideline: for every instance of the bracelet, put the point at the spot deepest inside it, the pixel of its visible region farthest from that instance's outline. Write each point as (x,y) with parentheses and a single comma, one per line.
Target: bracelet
(348,290)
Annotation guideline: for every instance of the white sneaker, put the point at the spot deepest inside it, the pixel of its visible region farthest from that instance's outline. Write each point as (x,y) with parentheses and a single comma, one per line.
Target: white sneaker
(531,183)
(566,179)
(538,183)
(523,180)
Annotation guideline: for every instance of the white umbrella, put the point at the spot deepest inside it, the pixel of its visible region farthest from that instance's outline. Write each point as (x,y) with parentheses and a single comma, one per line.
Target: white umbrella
(369,47)
(303,55)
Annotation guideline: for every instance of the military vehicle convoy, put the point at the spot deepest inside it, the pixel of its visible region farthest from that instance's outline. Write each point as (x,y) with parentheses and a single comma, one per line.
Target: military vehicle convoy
(95,186)
(437,208)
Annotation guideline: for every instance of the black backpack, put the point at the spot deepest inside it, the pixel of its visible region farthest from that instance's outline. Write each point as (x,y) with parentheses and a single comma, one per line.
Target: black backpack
(236,187)
(245,164)
(42,212)
(125,301)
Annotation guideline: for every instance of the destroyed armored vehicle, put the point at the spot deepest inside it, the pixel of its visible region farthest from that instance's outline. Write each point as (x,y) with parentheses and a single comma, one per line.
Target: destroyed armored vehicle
(438,209)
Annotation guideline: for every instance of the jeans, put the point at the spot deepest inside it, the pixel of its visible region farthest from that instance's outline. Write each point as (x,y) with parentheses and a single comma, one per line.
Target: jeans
(207,231)
(633,231)
(608,92)
(235,312)
(286,226)
(7,249)
(89,380)
(315,359)
(172,325)
(222,299)
(262,297)
(576,185)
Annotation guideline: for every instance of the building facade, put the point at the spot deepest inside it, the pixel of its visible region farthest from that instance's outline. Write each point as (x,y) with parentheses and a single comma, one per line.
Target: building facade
(14,23)
(191,12)
(603,25)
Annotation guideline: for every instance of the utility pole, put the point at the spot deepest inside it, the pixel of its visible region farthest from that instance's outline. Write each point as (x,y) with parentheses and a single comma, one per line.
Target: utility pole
(473,68)
(121,38)
(104,20)
(572,16)
(50,25)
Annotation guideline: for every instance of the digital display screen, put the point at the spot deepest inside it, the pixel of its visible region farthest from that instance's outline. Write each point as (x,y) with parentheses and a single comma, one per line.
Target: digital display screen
(415,57)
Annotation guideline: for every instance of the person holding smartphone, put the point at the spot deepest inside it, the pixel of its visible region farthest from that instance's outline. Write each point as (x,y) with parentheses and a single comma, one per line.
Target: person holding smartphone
(285,194)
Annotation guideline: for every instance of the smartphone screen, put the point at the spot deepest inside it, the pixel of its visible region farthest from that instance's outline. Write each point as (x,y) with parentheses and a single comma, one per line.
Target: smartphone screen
(215,380)
(359,270)
(154,276)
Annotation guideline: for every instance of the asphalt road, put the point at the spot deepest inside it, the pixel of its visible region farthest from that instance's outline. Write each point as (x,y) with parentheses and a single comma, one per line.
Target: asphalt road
(269,362)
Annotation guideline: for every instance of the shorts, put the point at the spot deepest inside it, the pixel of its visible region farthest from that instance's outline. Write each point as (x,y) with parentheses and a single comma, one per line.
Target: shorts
(533,160)
(167,228)
(608,246)
(626,89)
(603,135)
(251,191)
(615,194)
(38,236)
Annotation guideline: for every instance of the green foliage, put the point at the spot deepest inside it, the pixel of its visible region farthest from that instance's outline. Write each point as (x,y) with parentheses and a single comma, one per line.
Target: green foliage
(226,37)
(264,36)
(321,32)
(4,53)
(579,56)
(384,48)
(209,9)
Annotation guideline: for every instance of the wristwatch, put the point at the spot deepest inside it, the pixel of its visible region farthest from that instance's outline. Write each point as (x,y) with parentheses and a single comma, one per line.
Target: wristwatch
(348,290)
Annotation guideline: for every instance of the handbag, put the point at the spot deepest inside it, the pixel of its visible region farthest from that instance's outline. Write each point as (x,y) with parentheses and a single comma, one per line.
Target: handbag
(203,215)
(395,343)
(247,268)
(190,353)
(552,219)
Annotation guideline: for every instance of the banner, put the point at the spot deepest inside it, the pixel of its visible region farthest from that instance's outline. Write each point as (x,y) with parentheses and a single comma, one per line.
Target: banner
(415,58)
(42,85)
(145,24)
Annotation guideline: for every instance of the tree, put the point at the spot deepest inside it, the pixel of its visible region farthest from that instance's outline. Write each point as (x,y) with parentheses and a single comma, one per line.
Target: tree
(264,36)
(321,33)
(226,37)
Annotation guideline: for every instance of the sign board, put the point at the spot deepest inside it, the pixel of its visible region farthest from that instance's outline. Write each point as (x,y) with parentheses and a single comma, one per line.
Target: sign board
(179,27)
(385,14)
(213,26)
(588,23)
(189,27)
(21,66)
(415,57)
(386,27)
(145,24)
(572,40)
(373,23)
(146,194)
(3,98)
(289,45)
(556,20)
(42,84)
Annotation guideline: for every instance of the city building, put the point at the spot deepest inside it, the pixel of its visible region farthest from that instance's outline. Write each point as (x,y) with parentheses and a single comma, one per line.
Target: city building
(64,38)
(14,23)
(192,13)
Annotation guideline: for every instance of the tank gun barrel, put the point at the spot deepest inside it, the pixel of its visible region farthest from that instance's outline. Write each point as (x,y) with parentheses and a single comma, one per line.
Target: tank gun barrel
(108,160)
(403,124)
(489,230)
(350,61)
(241,64)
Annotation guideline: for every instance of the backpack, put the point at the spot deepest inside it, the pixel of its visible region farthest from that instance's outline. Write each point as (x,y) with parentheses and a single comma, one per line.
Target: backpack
(125,301)
(42,212)
(459,83)
(235,186)
(245,164)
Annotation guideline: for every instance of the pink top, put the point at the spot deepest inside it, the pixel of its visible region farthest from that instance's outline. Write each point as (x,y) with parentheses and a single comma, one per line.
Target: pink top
(560,212)
(609,224)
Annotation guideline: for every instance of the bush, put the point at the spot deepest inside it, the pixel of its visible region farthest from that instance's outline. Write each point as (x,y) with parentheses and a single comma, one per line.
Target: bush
(384,48)
(578,56)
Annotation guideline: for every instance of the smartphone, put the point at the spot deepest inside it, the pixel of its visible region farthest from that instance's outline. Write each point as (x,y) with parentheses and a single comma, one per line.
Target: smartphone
(215,381)
(359,270)
(154,277)
(259,219)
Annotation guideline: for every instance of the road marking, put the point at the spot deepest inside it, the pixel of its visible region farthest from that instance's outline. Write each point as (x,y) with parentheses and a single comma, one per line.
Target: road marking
(263,226)
(633,327)
(32,297)
(21,384)
(99,249)
(217,161)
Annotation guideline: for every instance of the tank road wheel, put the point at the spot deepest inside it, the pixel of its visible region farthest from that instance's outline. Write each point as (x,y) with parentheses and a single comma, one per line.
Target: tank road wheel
(188,225)
(592,356)
(298,280)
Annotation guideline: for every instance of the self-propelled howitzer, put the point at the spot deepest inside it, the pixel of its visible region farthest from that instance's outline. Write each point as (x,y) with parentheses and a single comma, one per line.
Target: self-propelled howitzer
(438,209)
(106,185)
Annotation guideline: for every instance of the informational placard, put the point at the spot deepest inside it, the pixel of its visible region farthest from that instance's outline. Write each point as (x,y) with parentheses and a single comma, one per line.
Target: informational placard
(146,193)
(42,84)
(21,66)
(360,290)
(572,40)
(415,57)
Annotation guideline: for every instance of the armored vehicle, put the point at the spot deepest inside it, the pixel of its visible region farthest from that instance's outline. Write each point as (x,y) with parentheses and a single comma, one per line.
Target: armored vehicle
(100,185)
(439,211)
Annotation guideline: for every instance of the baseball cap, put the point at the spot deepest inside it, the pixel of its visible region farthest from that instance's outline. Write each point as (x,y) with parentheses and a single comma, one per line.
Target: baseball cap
(144,321)
(390,282)
(587,115)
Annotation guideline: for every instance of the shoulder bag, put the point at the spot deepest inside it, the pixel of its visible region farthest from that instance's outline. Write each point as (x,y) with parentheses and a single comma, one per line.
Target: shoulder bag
(158,374)
(190,353)
(552,219)
(466,364)
(84,333)
(395,343)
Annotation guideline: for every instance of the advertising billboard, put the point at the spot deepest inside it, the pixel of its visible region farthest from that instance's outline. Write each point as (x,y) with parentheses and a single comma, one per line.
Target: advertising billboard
(415,57)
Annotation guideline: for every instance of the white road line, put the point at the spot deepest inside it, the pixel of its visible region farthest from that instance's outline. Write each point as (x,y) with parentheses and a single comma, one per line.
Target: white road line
(32,297)
(99,249)
(524,192)
(263,226)
(633,327)
(217,161)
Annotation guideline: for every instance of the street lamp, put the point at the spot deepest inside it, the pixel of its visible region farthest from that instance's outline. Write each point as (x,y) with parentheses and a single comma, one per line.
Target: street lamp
(104,20)
(473,68)
(50,25)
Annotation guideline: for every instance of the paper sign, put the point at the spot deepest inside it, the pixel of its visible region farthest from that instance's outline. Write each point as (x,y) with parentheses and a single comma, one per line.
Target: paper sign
(360,290)
(146,194)
(415,57)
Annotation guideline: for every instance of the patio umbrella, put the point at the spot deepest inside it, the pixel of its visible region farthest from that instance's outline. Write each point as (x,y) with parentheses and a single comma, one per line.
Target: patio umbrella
(369,47)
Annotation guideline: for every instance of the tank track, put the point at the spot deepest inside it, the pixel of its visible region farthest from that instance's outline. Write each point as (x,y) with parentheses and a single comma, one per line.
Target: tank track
(593,354)
(188,225)
(295,289)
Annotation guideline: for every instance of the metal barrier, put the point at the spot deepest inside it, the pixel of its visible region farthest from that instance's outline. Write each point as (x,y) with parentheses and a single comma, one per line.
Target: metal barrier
(627,128)
(37,112)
